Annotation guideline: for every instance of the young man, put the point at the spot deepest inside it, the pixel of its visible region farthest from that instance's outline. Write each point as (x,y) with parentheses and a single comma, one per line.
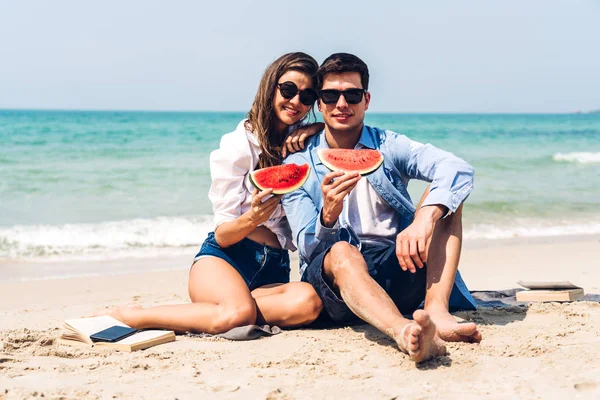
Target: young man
(365,248)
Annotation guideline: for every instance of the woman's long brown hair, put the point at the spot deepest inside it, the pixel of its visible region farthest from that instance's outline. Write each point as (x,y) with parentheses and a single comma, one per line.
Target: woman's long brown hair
(262,118)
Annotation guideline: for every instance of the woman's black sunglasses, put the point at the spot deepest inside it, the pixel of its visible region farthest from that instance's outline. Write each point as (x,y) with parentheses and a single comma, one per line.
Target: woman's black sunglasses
(289,90)
(352,96)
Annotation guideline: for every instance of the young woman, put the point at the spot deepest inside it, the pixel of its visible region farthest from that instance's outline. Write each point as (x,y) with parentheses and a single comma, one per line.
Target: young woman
(241,274)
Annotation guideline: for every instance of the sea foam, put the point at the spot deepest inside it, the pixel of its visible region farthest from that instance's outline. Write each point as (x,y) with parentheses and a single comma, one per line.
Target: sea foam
(578,157)
(530,229)
(106,240)
(182,236)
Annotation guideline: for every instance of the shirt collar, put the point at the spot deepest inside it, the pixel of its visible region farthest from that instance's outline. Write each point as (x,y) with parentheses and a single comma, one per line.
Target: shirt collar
(250,135)
(366,139)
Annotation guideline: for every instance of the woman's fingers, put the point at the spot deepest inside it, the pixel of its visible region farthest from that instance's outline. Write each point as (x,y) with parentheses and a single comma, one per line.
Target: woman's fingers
(258,197)
(270,208)
(295,143)
(289,147)
(301,139)
(292,143)
(273,200)
(265,210)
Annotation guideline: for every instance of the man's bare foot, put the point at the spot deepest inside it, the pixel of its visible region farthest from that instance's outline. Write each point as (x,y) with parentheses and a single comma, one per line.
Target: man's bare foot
(419,340)
(122,313)
(451,330)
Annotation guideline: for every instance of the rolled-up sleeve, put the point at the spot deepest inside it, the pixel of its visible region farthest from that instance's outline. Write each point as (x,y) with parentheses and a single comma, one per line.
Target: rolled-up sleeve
(229,165)
(311,237)
(324,233)
(305,220)
(451,177)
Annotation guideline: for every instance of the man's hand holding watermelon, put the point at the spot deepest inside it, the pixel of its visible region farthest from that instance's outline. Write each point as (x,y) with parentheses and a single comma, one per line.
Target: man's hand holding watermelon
(336,185)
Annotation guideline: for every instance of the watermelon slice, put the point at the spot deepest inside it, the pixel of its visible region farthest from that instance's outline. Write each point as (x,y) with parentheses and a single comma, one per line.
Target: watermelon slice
(282,178)
(363,161)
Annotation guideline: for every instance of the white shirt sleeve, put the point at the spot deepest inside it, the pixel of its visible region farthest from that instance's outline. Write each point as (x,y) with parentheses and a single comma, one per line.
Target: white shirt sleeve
(229,165)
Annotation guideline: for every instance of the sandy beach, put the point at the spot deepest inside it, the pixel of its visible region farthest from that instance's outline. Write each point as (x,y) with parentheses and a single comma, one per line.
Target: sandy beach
(547,350)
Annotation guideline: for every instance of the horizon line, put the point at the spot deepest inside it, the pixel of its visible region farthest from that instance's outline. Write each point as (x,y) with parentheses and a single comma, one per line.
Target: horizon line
(576,112)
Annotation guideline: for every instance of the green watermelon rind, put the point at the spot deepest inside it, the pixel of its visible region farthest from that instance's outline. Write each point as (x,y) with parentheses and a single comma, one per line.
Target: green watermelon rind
(287,190)
(363,172)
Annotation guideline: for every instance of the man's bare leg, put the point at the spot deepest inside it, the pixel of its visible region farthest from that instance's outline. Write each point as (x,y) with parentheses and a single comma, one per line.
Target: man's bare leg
(442,264)
(346,269)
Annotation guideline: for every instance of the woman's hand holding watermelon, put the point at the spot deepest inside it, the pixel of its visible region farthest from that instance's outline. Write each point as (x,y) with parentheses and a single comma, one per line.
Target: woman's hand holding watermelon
(260,210)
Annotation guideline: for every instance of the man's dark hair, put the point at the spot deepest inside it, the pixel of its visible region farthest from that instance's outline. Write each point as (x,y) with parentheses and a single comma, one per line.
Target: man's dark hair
(343,62)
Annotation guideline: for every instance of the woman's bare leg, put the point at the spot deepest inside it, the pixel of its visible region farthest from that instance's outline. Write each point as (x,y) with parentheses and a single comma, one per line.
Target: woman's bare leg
(220,298)
(287,305)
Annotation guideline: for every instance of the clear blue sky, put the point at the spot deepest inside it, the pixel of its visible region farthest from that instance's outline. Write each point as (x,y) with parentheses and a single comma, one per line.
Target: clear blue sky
(427,56)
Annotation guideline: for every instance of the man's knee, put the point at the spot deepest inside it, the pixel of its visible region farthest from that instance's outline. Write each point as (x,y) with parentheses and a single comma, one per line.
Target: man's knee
(342,258)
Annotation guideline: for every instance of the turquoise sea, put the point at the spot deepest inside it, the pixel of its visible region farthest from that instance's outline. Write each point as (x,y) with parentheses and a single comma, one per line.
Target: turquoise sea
(100,185)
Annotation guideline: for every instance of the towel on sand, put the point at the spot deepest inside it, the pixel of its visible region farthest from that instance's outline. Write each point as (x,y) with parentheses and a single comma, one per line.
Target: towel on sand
(247,332)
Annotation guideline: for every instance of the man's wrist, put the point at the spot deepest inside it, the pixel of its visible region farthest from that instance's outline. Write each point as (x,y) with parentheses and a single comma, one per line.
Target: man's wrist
(432,212)
(327,222)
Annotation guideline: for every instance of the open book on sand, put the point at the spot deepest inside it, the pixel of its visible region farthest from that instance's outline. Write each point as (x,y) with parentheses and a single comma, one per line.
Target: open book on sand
(80,330)
(549,291)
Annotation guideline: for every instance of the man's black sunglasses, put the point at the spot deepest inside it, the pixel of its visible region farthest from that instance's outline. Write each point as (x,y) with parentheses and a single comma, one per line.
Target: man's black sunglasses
(352,96)
(289,90)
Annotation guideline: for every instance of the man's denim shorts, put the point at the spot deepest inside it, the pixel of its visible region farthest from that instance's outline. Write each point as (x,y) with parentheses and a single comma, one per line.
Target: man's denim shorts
(406,289)
(258,264)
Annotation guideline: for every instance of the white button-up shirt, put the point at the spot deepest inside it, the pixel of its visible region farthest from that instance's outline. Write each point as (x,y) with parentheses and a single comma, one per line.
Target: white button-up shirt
(231,190)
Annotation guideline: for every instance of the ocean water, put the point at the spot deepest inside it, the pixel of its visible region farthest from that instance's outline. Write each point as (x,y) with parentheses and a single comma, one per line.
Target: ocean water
(103,185)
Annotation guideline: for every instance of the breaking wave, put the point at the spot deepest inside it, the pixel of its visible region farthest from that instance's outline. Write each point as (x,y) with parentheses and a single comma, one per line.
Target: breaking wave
(181,236)
(105,240)
(530,229)
(577,157)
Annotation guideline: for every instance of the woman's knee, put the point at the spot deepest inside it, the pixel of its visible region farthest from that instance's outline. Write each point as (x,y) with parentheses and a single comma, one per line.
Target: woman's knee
(234,315)
(307,302)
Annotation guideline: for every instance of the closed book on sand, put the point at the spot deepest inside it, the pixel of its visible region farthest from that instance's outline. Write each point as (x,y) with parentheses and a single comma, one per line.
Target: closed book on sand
(80,330)
(549,291)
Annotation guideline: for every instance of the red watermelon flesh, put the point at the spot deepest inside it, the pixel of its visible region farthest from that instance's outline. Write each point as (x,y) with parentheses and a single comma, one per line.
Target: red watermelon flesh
(282,178)
(363,161)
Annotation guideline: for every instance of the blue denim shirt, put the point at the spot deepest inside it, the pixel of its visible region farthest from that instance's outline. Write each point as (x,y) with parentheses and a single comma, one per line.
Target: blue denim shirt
(451,182)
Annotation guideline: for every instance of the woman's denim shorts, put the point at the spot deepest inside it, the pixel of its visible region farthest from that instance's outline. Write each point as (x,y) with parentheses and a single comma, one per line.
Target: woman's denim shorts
(258,264)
